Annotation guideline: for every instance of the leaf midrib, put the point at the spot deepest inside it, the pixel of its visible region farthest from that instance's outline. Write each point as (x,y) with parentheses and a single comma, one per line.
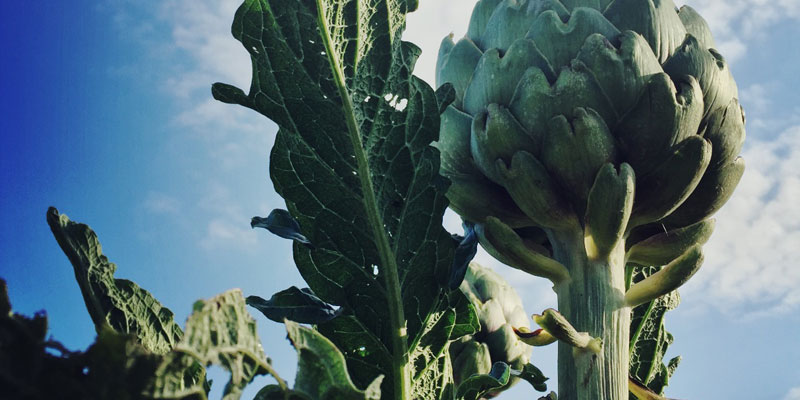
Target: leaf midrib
(387,258)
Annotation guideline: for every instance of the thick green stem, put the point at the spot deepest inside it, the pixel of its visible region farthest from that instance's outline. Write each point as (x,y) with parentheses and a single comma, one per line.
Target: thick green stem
(592,301)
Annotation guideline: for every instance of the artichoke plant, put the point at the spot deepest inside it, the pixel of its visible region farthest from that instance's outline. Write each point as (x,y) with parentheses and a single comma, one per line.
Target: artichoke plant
(499,311)
(586,135)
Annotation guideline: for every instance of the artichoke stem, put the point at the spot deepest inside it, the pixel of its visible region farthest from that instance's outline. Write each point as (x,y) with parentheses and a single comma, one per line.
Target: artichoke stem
(593,302)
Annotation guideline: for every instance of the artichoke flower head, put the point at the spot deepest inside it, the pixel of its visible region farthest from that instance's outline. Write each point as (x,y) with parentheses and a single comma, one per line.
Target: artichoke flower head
(554,96)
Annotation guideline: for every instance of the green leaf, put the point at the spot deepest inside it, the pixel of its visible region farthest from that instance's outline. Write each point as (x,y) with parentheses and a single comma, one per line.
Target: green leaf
(321,368)
(274,392)
(465,252)
(478,385)
(220,331)
(649,338)
(116,303)
(281,223)
(116,366)
(299,305)
(533,375)
(353,161)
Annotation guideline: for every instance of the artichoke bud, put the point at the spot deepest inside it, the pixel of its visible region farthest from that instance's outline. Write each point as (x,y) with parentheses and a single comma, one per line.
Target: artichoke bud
(496,134)
(725,131)
(570,36)
(710,69)
(499,309)
(466,179)
(503,243)
(480,17)
(622,72)
(663,248)
(556,325)
(574,151)
(657,21)
(455,65)
(608,210)
(536,101)
(665,188)
(669,278)
(550,91)
(453,143)
(537,338)
(696,26)
(509,22)
(504,342)
(530,185)
(496,76)
(711,193)
(664,116)
(469,358)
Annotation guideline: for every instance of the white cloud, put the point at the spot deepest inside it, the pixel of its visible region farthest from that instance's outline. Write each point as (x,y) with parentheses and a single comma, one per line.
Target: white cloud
(751,261)
(225,220)
(794,394)
(427,26)
(735,24)
(201,35)
(222,233)
(161,203)
(202,29)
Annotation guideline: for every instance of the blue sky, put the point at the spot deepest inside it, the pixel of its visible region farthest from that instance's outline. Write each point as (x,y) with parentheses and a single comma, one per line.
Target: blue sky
(107,115)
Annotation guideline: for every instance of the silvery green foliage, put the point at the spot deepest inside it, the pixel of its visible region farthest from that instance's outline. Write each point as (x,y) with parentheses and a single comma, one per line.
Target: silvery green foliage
(548,92)
(353,160)
(132,359)
(649,338)
(499,309)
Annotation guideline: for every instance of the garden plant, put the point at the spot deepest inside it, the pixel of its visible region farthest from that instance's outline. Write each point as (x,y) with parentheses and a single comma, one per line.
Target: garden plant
(587,142)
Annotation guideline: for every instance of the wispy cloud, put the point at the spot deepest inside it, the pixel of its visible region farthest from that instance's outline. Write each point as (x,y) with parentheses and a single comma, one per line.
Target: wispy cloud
(225,220)
(736,24)
(794,394)
(161,203)
(752,257)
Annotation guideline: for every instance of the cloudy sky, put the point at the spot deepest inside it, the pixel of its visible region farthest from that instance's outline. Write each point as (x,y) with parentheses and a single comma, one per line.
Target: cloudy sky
(107,115)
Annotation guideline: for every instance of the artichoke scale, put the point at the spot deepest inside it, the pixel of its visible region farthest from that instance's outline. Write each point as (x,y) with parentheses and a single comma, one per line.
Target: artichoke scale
(667,187)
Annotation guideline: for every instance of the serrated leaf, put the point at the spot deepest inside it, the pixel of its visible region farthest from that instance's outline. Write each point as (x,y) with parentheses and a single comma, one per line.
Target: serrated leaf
(117,303)
(649,338)
(321,368)
(478,385)
(353,161)
(298,305)
(220,331)
(116,366)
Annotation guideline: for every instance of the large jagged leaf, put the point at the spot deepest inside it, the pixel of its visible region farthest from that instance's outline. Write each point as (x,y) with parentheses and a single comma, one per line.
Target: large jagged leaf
(27,369)
(221,331)
(321,368)
(116,366)
(353,161)
(649,338)
(116,303)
